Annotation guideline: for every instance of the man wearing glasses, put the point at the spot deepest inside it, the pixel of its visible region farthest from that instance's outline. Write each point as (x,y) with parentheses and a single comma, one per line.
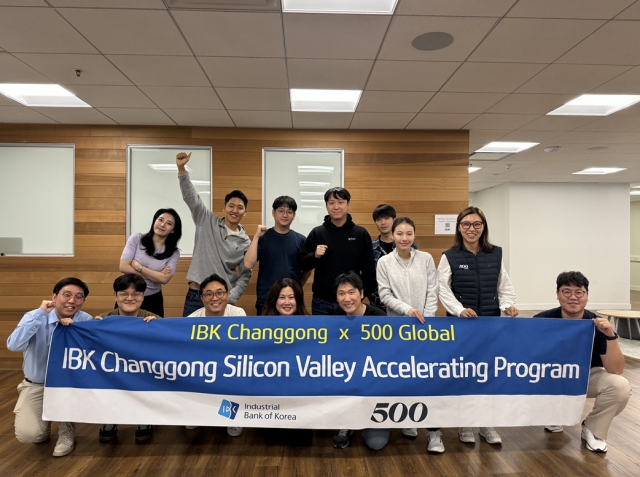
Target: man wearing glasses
(610,390)
(214,293)
(32,336)
(277,250)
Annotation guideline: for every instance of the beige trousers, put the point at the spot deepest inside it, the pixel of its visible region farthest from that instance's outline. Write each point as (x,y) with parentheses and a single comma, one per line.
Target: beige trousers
(612,393)
(29,426)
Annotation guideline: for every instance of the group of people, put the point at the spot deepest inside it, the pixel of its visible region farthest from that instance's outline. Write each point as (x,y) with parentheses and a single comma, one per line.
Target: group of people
(390,271)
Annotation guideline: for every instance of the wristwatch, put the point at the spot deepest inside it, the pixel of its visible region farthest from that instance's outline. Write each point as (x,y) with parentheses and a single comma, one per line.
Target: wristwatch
(140,269)
(611,338)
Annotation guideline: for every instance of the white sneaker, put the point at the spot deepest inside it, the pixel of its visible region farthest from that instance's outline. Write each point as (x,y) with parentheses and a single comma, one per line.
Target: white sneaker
(234,431)
(466,435)
(490,434)
(435,442)
(553,428)
(410,432)
(66,439)
(594,444)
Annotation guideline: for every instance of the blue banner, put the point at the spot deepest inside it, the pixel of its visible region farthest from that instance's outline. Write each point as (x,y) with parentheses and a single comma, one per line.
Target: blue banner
(323,359)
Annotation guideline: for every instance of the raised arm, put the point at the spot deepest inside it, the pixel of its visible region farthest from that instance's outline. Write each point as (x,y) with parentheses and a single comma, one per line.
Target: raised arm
(199,211)
(251,256)
(28,326)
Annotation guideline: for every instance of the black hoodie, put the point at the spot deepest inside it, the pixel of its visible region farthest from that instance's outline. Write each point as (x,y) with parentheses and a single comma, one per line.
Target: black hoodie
(348,248)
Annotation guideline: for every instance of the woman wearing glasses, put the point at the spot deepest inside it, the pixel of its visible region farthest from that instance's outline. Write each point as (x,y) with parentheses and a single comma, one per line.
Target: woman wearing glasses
(473,282)
(154,256)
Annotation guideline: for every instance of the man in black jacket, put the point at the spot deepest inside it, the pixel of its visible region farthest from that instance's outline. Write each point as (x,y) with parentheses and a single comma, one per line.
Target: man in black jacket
(337,246)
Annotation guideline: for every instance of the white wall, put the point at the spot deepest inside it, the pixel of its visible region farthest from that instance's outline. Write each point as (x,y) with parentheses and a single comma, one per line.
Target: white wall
(559,227)
(635,245)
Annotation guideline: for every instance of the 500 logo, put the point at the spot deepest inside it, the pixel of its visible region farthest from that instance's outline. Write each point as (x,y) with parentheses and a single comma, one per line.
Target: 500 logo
(398,412)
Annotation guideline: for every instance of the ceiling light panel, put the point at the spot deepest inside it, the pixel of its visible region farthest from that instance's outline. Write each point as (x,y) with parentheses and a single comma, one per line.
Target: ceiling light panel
(596,105)
(601,170)
(507,147)
(42,95)
(325,100)
(369,7)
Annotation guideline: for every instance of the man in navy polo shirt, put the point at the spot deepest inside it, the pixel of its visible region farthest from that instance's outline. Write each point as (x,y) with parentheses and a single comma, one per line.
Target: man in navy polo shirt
(611,390)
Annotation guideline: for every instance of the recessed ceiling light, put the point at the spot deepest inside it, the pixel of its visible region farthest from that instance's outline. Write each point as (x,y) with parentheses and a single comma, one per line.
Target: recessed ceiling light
(325,100)
(596,105)
(371,7)
(474,169)
(511,147)
(435,40)
(601,170)
(42,95)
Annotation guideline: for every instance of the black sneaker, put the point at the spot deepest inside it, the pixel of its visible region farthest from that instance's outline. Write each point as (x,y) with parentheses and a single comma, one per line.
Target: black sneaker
(341,439)
(108,432)
(144,433)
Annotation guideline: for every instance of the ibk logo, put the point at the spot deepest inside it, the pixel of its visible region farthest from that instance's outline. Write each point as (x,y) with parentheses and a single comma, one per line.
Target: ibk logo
(228,409)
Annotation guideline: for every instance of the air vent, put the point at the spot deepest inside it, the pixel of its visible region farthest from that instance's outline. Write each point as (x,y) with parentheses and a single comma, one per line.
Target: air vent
(226,5)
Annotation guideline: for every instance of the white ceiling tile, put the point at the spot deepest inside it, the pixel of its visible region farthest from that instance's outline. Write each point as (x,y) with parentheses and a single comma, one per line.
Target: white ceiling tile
(60,68)
(440,121)
(530,103)
(627,83)
(146,4)
(570,79)
(200,117)
(526,135)
(255,99)
(22,115)
(616,43)
(462,102)
(181,97)
(410,75)
(392,101)
(491,77)
(631,13)
(161,70)
(612,123)
(467,34)
(569,8)
(328,74)
(599,138)
(304,120)
(135,116)
(232,33)
(469,8)
(501,121)
(559,123)
(111,96)
(76,115)
(128,32)
(246,72)
(12,70)
(517,38)
(39,30)
(381,120)
(354,37)
(261,119)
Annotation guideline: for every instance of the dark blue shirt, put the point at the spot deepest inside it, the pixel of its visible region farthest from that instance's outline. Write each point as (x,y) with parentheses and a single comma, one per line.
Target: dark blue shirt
(278,257)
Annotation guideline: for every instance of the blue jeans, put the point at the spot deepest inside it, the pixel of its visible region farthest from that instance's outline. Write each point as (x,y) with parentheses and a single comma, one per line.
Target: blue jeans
(192,302)
(324,307)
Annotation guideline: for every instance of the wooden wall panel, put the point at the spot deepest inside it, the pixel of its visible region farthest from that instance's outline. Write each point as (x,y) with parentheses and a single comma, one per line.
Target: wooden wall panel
(420,173)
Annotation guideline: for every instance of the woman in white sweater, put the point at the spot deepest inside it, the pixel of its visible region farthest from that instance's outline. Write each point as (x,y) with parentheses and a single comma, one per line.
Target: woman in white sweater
(408,286)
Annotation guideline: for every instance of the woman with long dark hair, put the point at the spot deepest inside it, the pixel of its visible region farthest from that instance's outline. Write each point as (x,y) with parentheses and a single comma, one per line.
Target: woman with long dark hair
(154,256)
(473,282)
(285,297)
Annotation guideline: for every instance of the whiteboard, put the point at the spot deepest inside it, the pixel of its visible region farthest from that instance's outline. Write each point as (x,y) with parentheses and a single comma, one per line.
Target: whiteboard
(305,175)
(37,184)
(152,184)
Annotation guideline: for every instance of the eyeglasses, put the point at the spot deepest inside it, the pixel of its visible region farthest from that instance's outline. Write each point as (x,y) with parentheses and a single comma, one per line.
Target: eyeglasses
(125,294)
(69,295)
(475,225)
(567,293)
(218,294)
(282,211)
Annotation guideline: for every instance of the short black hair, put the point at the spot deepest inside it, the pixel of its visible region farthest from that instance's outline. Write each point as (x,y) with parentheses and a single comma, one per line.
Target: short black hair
(402,220)
(237,194)
(213,278)
(126,280)
(576,279)
(286,201)
(337,193)
(351,278)
(71,281)
(383,211)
